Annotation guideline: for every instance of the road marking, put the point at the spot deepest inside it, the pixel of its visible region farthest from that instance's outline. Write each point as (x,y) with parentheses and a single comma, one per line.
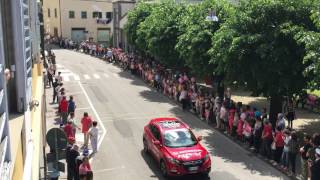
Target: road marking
(95,113)
(96,76)
(106,75)
(86,76)
(76,77)
(83,108)
(109,169)
(65,78)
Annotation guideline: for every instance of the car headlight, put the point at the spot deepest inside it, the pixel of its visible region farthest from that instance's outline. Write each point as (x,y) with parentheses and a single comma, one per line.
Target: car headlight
(173,161)
(206,157)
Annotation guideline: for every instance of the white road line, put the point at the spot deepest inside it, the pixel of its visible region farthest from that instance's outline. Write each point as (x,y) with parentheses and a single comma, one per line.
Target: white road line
(106,75)
(76,77)
(96,76)
(83,108)
(95,113)
(86,76)
(65,78)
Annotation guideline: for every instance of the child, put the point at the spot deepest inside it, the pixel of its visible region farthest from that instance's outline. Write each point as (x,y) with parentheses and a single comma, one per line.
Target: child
(93,133)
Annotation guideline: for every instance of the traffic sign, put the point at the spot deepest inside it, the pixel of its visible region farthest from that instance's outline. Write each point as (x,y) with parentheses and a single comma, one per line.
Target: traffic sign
(56,139)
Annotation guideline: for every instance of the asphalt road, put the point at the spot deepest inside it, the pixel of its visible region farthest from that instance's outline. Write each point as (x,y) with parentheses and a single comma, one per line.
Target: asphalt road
(123,104)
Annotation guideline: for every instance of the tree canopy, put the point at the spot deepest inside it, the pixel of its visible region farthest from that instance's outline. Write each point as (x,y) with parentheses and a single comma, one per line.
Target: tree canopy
(195,41)
(271,45)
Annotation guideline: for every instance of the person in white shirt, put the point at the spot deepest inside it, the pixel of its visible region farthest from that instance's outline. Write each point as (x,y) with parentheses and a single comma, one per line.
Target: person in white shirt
(59,77)
(93,134)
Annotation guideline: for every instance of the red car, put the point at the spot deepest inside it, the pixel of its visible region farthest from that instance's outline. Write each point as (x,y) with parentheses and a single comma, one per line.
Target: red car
(173,145)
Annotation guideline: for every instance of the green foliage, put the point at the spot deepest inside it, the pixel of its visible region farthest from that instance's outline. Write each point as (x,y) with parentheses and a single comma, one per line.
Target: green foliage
(141,11)
(160,31)
(259,46)
(195,41)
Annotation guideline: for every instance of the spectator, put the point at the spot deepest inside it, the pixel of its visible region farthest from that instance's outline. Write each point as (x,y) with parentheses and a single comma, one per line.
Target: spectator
(315,165)
(293,151)
(93,133)
(64,110)
(59,77)
(184,98)
(71,105)
(86,124)
(74,123)
(291,115)
(55,94)
(257,133)
(79,161)
(68,129)
(231,114)
(71,157)
(84,169)
(279,142)
(267,139)
(285,153)
(281,123)
(304,159)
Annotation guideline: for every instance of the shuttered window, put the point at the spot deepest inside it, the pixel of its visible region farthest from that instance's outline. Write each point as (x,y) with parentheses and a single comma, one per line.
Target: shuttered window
(27,42)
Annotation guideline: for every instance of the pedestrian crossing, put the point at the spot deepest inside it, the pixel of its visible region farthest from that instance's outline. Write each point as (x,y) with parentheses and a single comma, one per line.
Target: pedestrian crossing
(68,75)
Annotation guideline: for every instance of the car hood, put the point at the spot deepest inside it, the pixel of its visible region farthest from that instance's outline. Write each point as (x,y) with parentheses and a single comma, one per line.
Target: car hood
(195,152)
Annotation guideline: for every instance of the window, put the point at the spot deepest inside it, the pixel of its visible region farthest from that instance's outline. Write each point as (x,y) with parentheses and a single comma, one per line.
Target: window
(97,14)
(154,130)
(71,14)
(49,15)
(84,14)
(55,13)
(109,15)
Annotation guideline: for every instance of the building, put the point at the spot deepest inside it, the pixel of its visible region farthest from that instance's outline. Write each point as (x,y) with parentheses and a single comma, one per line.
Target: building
(78,19)
(21,95)
(120,11)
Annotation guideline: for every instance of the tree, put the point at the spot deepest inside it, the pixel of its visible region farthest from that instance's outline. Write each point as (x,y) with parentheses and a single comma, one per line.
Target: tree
(258,46)
(195,41)
(140,12)
(160,32)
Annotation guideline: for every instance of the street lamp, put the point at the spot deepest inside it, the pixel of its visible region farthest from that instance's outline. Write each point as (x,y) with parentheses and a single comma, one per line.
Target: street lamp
(212,17)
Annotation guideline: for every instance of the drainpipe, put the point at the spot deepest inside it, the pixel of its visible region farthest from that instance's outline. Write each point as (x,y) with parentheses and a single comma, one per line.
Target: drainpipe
(60,19)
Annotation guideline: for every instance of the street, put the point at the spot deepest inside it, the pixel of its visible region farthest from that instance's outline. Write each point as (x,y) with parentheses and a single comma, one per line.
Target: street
(123,104)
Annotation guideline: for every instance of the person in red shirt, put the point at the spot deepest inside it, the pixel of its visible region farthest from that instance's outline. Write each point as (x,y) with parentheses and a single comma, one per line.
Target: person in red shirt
(68,129)
(64,109)
(86,122)
(85,171)
(279,141)
(267,138)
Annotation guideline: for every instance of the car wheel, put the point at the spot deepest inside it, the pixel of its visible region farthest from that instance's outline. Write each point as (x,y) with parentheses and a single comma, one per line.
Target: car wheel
(163,169)
(145,146)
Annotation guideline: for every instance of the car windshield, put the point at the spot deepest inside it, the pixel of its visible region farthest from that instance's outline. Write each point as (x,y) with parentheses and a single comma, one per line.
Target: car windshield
(179,138)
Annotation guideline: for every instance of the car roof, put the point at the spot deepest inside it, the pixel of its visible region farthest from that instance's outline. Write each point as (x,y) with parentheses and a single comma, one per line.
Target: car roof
(169,123)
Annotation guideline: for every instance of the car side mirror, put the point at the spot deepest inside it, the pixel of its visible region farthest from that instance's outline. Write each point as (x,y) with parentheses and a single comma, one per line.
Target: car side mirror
(199,138)
(156,142)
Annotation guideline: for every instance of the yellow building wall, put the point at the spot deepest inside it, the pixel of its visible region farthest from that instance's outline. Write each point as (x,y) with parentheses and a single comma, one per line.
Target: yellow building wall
(51,22)
(36,117)
(18,166)
(77,6)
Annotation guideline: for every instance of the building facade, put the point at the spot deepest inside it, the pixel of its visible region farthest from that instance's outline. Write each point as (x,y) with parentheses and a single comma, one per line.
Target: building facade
(79,19)
(21,91)
(120,11)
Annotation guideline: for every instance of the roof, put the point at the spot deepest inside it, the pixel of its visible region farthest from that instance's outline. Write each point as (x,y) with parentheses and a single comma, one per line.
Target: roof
(167,123)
